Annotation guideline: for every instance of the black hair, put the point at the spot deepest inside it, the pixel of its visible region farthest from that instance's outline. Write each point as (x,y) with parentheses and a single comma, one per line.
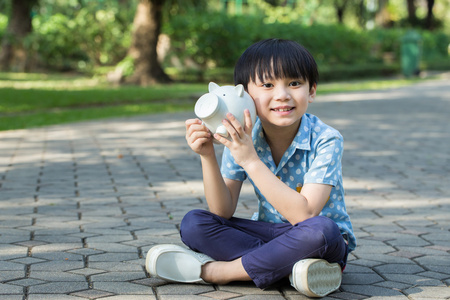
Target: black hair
(275,59)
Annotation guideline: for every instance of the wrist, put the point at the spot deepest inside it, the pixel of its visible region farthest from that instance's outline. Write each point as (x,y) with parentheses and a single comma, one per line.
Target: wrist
(251,165)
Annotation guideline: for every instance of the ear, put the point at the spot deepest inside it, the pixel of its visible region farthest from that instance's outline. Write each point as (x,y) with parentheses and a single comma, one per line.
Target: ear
(312,93)
(212,86)
(239,90)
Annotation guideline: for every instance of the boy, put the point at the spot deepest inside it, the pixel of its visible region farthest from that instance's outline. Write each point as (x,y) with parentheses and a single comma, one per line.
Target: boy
(293,160)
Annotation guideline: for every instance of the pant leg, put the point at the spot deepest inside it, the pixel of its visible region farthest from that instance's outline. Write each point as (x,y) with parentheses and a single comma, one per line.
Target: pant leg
(224,239)
(317,237)
(268,251)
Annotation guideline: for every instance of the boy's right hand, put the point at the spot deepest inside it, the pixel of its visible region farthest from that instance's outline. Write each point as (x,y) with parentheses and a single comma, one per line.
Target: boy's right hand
(199,138)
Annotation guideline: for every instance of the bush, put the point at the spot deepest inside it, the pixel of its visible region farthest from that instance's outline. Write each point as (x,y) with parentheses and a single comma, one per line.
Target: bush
(218,39)
(54,40)
(3,24)
(92,37)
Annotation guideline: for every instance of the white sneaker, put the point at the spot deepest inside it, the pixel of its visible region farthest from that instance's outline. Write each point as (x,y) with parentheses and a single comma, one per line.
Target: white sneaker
(316,277)
(175,263)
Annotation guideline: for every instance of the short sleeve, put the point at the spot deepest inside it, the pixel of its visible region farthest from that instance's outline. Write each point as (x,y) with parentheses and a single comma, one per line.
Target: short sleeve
(326,165)
(230,169)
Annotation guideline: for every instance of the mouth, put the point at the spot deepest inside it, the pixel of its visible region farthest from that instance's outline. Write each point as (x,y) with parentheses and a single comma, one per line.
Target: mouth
(282,109)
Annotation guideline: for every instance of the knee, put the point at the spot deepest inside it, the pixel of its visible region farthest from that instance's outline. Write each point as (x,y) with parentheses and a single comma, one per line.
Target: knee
(193,225)
(319,230)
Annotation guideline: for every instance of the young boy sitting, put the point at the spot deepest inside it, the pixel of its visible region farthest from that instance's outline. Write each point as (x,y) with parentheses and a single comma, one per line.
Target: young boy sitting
(302,229)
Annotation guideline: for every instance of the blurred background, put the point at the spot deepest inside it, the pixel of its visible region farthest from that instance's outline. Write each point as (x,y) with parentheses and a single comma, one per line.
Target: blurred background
(201,40)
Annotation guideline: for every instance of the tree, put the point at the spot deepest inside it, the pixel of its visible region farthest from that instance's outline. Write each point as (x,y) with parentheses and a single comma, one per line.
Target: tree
(382,17)
(340,6)
(13,54)
(429,21)
(146,30)
(411,7)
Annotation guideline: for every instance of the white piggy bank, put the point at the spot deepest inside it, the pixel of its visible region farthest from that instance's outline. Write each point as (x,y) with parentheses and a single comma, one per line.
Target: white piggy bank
(212,107)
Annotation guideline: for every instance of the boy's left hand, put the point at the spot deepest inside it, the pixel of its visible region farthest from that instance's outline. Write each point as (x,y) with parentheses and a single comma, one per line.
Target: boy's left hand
(241,146)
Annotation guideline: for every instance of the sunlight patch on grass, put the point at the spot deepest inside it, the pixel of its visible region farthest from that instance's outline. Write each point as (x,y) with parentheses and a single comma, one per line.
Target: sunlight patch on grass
(34,99)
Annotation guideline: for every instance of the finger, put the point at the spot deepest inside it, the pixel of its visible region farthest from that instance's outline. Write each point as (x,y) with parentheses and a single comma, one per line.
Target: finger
(248,125)
(222,140)
(190,122)
(235,123)
(232,132)
(198,134)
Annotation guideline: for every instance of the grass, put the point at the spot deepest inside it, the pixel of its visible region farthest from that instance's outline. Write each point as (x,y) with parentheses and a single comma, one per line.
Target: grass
(30,100)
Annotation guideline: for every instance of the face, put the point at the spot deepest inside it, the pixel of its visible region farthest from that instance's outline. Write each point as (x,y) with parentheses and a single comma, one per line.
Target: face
(281,103)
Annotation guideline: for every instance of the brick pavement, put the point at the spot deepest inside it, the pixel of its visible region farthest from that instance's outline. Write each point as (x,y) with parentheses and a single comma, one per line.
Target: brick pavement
(81,204)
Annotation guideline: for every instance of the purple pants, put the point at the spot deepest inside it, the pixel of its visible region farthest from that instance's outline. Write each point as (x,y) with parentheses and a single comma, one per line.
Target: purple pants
(268,251)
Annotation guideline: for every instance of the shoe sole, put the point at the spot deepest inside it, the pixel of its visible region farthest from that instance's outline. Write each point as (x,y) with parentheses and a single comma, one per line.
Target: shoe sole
(173,263)
(316,277)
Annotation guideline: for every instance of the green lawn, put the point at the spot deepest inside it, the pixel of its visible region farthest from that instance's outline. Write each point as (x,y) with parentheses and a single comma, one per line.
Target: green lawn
(30,100)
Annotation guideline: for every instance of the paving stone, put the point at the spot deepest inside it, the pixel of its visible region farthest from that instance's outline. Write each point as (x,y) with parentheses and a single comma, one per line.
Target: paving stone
(52,275)
(10,275)
(59,287)
(92,294)
(398,269)
(112,247)
(428,292)
(123,288)
(370,290)
(434,260)
(61,265)
(113,257)
(183,289)
(414,280)
(53,297)
(118,276)
(115,266)
(10,266)
(130,297)
(27,282)
(221,295)
(361,278)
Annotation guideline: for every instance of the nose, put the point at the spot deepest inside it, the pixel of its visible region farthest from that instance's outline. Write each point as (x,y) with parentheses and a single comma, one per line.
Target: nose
(282,93)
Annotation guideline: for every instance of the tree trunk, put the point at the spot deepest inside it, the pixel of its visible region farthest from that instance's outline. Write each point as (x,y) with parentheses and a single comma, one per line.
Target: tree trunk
(429,24)
(340,9)
(411,6)
(147,27)
(13,55)
(382,18)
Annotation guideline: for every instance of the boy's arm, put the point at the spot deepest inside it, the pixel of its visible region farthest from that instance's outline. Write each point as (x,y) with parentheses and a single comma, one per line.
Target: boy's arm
(221,193)
(295,207)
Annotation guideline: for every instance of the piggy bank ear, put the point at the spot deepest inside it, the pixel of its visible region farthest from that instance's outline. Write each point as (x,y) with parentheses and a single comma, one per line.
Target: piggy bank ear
(239,90)
(212,86)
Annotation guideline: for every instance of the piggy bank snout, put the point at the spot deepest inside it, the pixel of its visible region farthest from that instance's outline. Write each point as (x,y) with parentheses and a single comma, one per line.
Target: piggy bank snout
(206,105)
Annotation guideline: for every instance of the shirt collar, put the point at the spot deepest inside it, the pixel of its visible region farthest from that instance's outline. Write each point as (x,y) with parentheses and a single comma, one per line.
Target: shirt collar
(301,141)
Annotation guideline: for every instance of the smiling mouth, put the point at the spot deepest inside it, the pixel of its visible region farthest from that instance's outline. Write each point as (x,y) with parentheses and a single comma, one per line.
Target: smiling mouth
(283,109)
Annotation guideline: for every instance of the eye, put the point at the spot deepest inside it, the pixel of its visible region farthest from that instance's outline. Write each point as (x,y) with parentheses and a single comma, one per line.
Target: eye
(267,85)
(295,83)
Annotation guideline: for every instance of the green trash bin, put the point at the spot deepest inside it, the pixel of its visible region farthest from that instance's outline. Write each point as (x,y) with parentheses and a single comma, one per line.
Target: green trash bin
(411,48)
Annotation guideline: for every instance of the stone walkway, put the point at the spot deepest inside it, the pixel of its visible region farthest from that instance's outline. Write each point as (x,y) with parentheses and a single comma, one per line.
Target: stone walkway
(81,204)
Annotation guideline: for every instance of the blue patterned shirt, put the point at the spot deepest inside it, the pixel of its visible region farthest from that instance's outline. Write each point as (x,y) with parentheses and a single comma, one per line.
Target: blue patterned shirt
(314,156)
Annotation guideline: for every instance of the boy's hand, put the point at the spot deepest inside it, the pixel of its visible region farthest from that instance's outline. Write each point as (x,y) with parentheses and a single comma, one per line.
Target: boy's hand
(241,146)
(199,137)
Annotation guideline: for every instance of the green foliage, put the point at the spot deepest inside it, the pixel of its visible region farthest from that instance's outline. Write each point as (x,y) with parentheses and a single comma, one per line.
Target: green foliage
(83,35)
(3,24)
(54,40)
(216,40)
(91,37)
